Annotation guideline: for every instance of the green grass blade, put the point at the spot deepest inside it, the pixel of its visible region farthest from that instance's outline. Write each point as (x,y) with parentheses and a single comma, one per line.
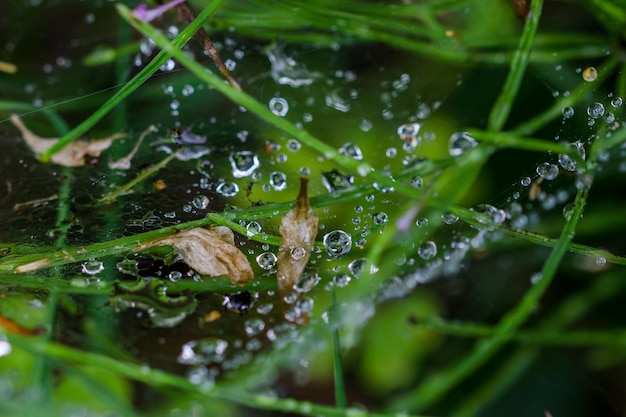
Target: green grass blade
(134,83)
(438,384)
(504,103)
(340,388)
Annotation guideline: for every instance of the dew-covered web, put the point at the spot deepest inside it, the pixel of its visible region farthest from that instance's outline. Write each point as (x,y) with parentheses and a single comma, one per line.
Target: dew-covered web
(407,232)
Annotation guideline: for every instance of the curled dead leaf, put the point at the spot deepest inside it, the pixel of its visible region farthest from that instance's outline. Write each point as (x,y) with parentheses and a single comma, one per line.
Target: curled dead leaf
(73,154)
(298,229)
(209,252)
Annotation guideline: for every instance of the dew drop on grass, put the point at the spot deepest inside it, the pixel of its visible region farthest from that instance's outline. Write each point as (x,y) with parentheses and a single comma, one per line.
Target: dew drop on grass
(307,283)
(536,277)
(427,250)
(616,102)
(409,131)
(596,110)
(365,125)
(203,351)
(5,348)
(496,215)
(568,211)
(380,218)
(526,181)
(266,260)
(341,280)
(243,163)
(293,145)
(168,66)
(254,326)
(253,228)
(337,243)
(421,222)
(449,218)
(361,266)
(92,267)
(568,112)
(335,181)
(201,202)
(417,182)
(227,189)
(590,74)
(547,170)
(175,276)
(279,106)
(461,142)
(351,150)
(278,180)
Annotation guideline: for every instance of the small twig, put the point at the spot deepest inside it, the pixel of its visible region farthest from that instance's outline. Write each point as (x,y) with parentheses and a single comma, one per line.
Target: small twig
(124,163)
(35,203)
(189,16)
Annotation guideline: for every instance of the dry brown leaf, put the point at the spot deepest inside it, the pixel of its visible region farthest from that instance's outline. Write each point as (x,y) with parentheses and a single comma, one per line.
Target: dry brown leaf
(74,154)
(298,229)
(209,252)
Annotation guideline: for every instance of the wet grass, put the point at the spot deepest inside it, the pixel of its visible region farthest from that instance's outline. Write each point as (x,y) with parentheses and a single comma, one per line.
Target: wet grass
(552,303)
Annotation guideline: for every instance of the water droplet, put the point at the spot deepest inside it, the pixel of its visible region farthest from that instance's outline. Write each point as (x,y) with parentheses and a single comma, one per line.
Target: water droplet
(409,131)
(187,90)
(335,181)
(417,182)
(568,211)
(175,276)
(427,250)
(265,308)
(266,260)
(337,243)
(421,222)
(293,145)
(5,347)
(496,215)
(391,152)
(253,228)
(243,163)
(285,70)
(92,267)
(526,181)
(203,351)
(341,280)
(460,143)
(547,170)
(596,110)
(227,189)
(278,180)
(298,253)
(365,125)
(336,102)
(364,169)
(360,266)
(380,218)
(201,202)
(616,102)
(590,74)
(307,283)
(536,277)
(279,106)
(449,218)
(168,66)
(568,112)
(254,326)
(351,150)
